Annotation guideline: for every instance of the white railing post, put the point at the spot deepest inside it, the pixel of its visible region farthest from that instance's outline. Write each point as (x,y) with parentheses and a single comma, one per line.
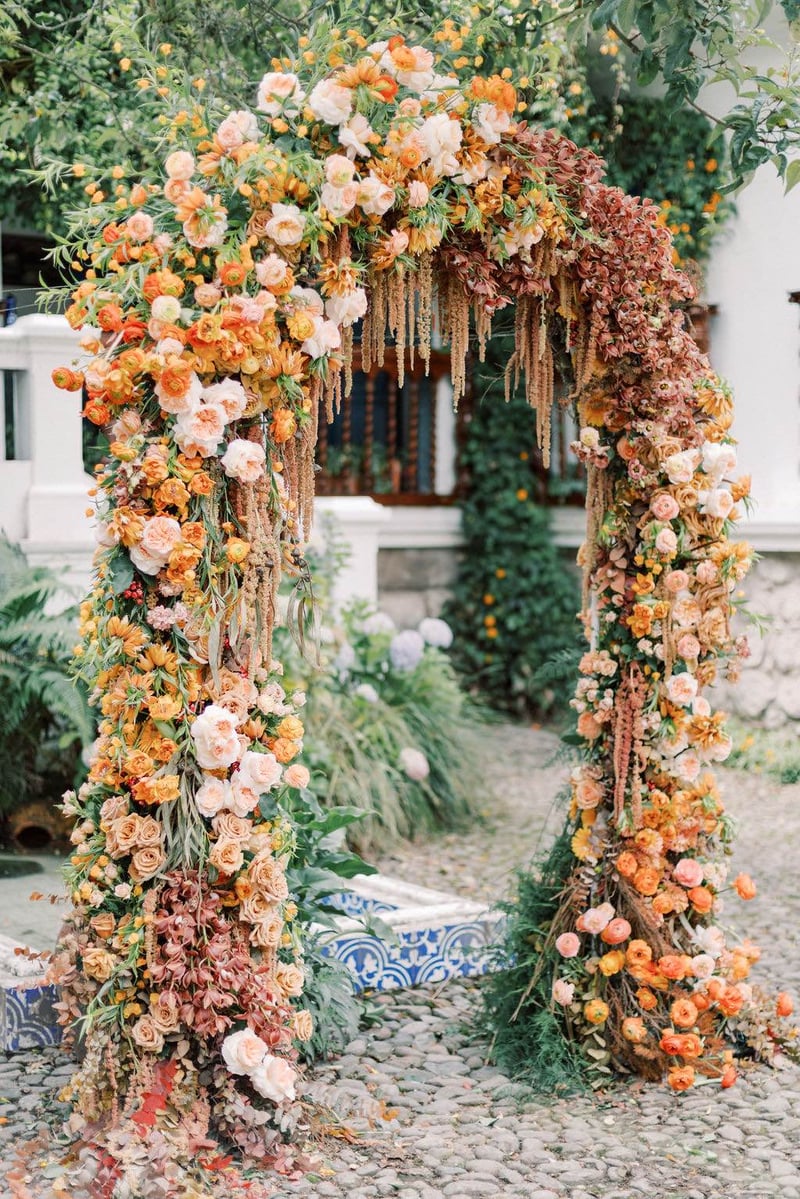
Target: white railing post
(358,520)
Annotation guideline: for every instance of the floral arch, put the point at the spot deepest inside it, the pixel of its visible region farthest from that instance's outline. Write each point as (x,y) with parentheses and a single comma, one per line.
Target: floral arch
(393,185)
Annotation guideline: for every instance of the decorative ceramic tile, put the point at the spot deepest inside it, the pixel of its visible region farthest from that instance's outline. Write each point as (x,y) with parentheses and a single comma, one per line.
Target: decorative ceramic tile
(27,1017)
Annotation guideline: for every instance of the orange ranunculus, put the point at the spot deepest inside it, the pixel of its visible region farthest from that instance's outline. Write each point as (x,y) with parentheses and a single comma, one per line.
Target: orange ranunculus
(784,1004)
(110,318)
(646,880)
(646,999)
(236,549)
(701,1001)
(638,953)
(680,1044)
(176,376)
(232,274)
(627,864)
(745,887)
(730,1001)
(596,1011)
(194,534)
(611,963)
(702,899)
(164,707)
(729,1076)
(633,1030)
(684,1013)
(67,380)
(157,790)
(673,966)
(681,1078)
(283,425)
(715,989)
(162,283)
(201,483)
(386,87)
(640,620)
(171,494)
(290,727)
(740,966)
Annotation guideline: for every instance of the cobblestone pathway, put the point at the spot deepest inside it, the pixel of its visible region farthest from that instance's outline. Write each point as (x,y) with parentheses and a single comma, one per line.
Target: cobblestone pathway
(459,1128)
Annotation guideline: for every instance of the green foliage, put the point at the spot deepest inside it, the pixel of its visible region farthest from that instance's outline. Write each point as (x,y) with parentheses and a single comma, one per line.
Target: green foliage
(46,718)
(515,600)
(363,713)
(529,1038)
(773,752)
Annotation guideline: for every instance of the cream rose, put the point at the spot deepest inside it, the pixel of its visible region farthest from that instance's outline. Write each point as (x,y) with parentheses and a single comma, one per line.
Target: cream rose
(229,826)
(160,535)
(490,123)
(244,460)
(716,503)
(244,797)
(279,92)
(226,855)
(271,271)
(139,227)
(339,200)
(325,338)
(290,979)
(441,137)
(215,737)
(355,137)
(331,103)
(274,1078)
(228,395)
(339,170)
(166,309)
(267,933)
(147,1035)
(418,194)
(346,310)
(286,225)
(303,1025)
(180,164)
(374,196)
(212,796)
(296,775)
(262,771)
(243,1051)
(681,689)
(680,467)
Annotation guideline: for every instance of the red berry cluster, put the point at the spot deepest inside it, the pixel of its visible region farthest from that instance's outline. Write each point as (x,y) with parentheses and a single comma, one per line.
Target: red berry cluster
(135,592)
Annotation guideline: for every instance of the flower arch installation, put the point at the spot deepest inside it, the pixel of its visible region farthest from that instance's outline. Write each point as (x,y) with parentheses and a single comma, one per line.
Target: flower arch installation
(386,184)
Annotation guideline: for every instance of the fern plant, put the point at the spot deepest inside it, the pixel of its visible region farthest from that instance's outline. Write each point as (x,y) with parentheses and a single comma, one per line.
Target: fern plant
(46,719)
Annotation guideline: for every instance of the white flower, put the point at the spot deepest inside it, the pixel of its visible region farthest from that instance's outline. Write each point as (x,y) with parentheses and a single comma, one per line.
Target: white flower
(367,692)
(703,965)
(719,460)
(271,271)
(339,200)
(230,395)
(274,1078)
(215,737)
(330,102)
(441,138)
(414,764)
(244,796)
(286,226)
(436,632)
(680,467)
(374,196)
(325,338)
(237,128)
(243,1051)
(716,503)
(406,650)
(378,622)
(346,310)
(345,659)
(339,170)
(201,429)
(261,771)
(681,689)
(244,460)
(179,165)
(354,136)
(307,297)
(711,940)
(418,194)
(490,123)
(166,309)
(280,92)
(212,796)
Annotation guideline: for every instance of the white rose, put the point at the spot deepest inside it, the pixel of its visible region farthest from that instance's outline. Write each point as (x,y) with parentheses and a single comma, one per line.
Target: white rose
(374,196)
(716,503)
(230,395)
(331,103)
(166,309)
(201,429)
(339,170)
(719,460)
(703,965)
(306,297)
(687,766)
(346,310)
(216,740)
(159,537)
(260,771)
(490,123)
(325,338)
(355,135)
(280,92)
(179,165)
(418,194)
(271,271)
(274,1078)
(146,563)
(286,226)
(243,1051)
(212,796)
(339,200)
(442,138)
(414,764)
(243,797)
(244,460)
(680,467)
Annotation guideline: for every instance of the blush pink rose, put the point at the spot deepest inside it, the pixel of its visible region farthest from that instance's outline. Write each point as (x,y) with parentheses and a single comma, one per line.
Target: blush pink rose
(180,165)
(271,271)
(568,945)
(139,226)
(160,536)
(676,580)
(688,646)
(681,689)
(418,194)
(594,920)
(664,506)
(228,395)
(296,775)
(666,541)
(212,796)
(274,1078)
(260,771)
(216,740)
(243,1051)
(563,992)
(688,872)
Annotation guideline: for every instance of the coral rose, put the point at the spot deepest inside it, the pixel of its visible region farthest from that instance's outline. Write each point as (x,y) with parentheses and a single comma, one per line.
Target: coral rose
(681,1078)
(745,887)
(784,1004)
(673,966)
(616,931)
(243,1051)
(568,945)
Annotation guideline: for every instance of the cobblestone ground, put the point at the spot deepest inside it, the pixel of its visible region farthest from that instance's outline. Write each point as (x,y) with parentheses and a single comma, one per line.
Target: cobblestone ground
(434,1120)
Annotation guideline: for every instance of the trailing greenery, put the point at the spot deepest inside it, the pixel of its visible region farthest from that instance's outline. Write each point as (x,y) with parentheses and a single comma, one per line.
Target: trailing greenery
(400,744)
(526,1025)
(515,601)
(46,718)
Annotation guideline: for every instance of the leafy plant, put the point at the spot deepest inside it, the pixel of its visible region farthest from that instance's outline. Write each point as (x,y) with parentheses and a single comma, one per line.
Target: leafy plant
(46,718)
(515,600)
